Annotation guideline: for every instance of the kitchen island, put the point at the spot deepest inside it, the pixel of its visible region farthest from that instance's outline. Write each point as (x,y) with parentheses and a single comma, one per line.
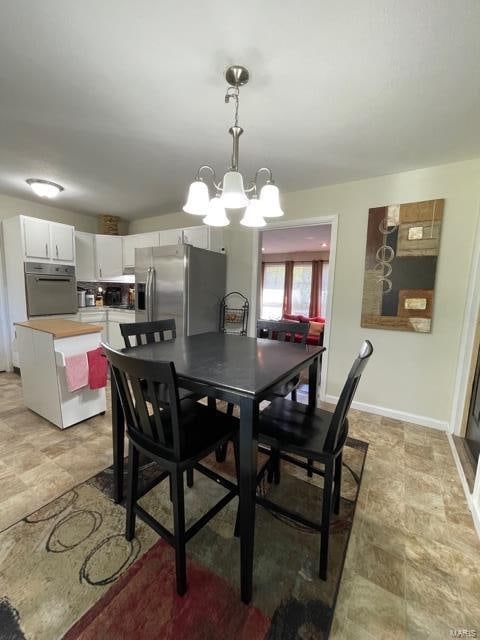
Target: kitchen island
(42,346)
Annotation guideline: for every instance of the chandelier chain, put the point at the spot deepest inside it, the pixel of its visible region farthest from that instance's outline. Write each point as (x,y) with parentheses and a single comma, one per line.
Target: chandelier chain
(233,93)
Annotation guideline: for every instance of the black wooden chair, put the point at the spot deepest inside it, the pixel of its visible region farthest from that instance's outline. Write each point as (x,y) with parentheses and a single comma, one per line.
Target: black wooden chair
(287,332)
(284,331)
(177,437)
(313,434)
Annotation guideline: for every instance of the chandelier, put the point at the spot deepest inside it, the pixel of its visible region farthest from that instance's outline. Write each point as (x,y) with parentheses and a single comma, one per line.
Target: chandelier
(230,193)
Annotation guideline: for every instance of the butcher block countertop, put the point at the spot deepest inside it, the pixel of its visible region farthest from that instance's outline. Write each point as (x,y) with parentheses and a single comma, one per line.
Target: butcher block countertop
(61,328)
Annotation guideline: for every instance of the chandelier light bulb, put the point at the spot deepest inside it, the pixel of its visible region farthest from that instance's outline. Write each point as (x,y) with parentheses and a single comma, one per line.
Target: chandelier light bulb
(216,216)
(198,199)
(233,195)
(44,188)
(270,199)
(253,215)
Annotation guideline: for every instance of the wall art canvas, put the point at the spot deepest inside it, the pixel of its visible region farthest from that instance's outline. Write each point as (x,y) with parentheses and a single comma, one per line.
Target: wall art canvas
(403,242)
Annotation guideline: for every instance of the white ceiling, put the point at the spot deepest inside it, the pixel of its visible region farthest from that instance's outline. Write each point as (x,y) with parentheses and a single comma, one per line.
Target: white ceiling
(298,239)
(120,101)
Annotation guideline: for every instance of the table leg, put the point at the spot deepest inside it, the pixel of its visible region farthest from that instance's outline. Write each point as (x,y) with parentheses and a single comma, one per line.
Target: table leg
(312,399)
(313,383)
(118,437)
(247,490)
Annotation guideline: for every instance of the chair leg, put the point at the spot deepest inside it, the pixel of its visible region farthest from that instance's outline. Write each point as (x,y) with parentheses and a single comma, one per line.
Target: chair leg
(131,491)
(310,467)
(326,511)
(236,531)
(337,485)
(190,477)
(221,452)
(293,395)
(179,531)
(276,465)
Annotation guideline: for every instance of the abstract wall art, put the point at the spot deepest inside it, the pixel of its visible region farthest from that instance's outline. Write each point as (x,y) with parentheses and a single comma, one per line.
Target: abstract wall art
(403,242)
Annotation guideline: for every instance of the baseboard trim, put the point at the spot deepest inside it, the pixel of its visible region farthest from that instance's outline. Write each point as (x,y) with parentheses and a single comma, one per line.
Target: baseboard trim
(424,421)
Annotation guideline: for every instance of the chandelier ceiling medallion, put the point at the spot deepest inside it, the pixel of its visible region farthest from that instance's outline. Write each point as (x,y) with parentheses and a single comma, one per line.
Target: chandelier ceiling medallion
(230,192)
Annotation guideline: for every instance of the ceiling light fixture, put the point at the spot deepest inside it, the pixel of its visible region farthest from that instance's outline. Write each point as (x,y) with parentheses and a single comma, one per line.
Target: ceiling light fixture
(44,188)
(230,192)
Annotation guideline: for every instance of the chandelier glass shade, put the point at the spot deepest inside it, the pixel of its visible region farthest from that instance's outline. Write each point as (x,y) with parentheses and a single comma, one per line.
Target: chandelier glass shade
(260,198)
(44,188)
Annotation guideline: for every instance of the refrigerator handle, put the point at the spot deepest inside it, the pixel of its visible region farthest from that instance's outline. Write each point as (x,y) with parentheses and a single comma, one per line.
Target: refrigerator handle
(150,293)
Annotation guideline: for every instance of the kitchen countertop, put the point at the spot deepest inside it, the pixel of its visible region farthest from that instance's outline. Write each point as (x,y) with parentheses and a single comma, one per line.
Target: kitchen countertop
(104,308)
(61,328)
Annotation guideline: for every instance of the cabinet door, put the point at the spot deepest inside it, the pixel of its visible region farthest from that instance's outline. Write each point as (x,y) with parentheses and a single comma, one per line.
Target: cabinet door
(85,254)
(137,241)
(36,236)
(108,255)
(197,236)
(171,236)
(62,239)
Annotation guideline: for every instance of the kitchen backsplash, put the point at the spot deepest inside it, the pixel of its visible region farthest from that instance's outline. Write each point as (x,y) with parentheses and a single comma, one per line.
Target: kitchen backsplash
(97,288)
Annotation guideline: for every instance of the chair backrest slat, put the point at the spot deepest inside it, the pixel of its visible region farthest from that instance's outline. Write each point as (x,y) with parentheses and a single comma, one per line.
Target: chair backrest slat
(146,332)
(283,330)
(142,387)
(338,429)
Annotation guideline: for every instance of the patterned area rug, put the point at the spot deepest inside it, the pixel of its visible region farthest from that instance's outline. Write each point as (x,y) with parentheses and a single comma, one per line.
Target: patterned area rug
(68,565)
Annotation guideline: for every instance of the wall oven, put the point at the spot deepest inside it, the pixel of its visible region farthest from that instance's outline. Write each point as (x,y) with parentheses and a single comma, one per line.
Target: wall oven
(50,289)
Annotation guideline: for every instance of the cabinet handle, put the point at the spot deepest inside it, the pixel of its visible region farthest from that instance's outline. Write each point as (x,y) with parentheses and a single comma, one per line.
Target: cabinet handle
(46,250)
(56,249)
(100,270)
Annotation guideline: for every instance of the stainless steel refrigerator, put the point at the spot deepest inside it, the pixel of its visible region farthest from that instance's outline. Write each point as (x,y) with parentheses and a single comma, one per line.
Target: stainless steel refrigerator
(180,282)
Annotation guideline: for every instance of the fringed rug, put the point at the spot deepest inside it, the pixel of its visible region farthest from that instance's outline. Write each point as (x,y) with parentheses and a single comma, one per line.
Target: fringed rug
(67,570)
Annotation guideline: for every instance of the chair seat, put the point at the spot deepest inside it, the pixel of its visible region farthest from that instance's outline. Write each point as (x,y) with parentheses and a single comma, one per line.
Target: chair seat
(294,427)
(203,429)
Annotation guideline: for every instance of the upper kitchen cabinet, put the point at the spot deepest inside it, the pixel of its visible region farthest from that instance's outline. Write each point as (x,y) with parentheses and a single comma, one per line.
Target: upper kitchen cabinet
(44,241)
(197,236)
(62,242)
(85,251)
(108,257)
(171,236)
(137,241)
(36,238)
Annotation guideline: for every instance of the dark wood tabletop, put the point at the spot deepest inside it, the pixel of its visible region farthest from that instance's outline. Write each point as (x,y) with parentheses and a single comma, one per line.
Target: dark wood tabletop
(244,365)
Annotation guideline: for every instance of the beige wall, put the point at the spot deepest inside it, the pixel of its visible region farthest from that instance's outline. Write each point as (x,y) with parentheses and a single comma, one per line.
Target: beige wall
(177,220)
(10,207)
(410,373)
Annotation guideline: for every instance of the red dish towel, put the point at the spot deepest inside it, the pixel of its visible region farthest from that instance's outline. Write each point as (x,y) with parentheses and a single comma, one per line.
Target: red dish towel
(97,369)
(76,371)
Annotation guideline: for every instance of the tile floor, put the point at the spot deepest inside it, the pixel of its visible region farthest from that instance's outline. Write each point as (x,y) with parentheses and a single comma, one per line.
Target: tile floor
(413,565)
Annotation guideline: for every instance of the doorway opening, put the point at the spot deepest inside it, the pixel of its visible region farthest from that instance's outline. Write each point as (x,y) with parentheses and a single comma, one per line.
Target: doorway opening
(293,278)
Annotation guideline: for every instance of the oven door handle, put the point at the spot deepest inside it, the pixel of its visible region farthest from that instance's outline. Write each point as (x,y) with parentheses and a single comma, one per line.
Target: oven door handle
(53,279)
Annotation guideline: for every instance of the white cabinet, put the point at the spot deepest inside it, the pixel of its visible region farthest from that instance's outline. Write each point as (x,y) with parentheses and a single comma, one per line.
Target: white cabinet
(62,242)
(36,238)
(108,257)
(48,241)
(85,253)
(197,236)
(96,317)
(137,241)
(171,236)
(115,319)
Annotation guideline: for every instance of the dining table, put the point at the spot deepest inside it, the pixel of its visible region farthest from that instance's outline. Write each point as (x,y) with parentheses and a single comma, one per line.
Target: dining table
(239,370)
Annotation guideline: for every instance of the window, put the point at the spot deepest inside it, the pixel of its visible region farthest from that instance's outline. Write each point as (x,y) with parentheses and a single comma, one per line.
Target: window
(272,294)
(301,288)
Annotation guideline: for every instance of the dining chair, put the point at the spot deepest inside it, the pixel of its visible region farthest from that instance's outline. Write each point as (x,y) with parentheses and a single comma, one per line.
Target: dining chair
(177,436)
(274,330)
(137,333)
(315,434)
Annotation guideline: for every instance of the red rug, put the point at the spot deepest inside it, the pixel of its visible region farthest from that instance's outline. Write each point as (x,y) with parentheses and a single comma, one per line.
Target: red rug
(143,604)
